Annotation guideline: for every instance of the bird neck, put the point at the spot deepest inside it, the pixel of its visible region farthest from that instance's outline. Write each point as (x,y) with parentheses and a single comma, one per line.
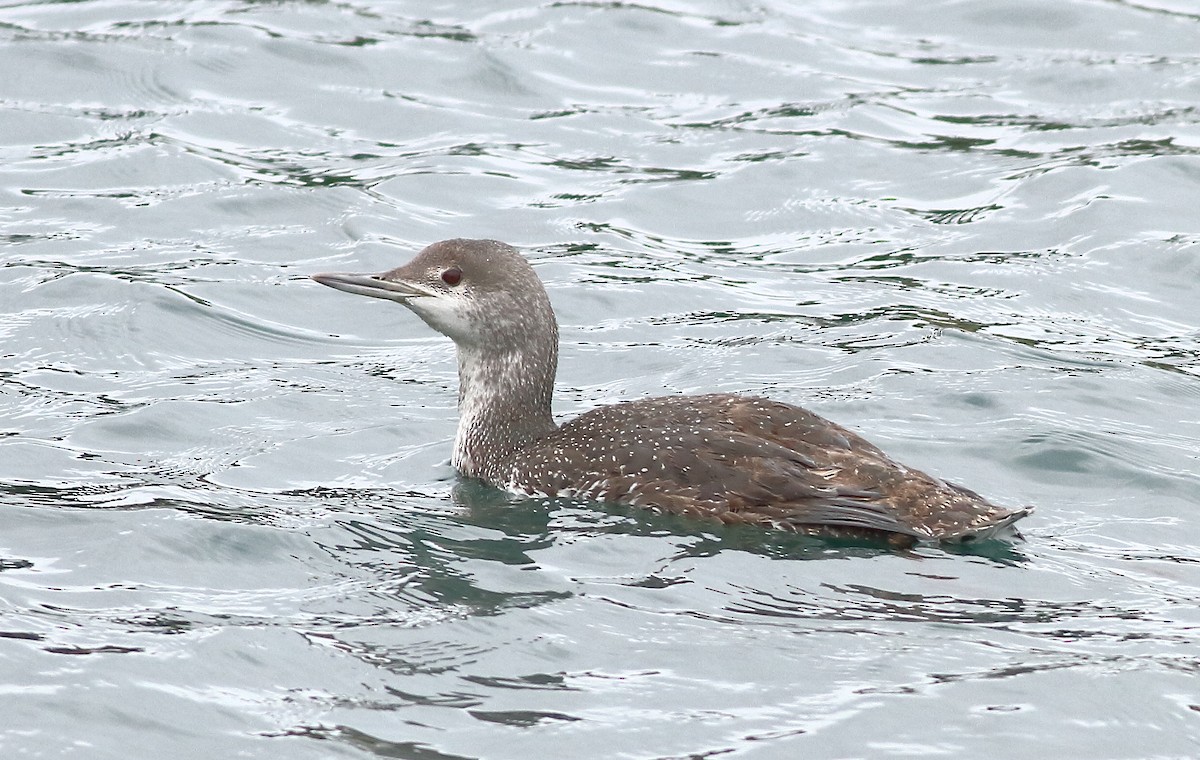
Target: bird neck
(504,404)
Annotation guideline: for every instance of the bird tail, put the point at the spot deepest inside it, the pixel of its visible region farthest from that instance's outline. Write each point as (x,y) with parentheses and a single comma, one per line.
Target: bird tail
(1003,529)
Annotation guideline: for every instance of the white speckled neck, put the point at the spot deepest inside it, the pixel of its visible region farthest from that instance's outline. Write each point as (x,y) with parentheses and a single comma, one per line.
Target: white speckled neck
(504,400)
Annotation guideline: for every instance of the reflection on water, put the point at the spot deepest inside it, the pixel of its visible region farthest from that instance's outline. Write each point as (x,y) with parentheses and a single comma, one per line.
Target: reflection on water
(227,522)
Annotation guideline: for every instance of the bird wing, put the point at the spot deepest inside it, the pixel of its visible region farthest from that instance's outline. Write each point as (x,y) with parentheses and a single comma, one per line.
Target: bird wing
(718,457)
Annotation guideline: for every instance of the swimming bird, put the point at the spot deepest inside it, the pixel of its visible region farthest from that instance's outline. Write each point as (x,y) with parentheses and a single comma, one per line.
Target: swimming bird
(726,457)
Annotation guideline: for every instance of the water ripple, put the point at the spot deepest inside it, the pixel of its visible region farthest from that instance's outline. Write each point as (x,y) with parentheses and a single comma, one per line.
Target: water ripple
(963,228)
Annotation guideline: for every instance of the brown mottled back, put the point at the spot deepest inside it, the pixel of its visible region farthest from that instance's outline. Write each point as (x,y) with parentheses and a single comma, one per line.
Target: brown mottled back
(750,460)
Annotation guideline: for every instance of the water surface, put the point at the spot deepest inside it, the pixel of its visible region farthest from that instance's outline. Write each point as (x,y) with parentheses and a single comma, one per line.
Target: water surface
(228,527)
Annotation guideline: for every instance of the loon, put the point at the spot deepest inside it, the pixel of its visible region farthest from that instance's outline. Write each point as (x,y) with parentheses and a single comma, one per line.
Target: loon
(725,457)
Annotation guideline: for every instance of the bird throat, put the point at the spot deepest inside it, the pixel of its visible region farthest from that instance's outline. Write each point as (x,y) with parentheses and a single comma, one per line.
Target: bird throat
(504,399)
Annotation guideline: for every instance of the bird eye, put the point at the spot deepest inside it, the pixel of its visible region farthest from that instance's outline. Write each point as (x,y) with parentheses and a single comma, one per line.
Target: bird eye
(452,276)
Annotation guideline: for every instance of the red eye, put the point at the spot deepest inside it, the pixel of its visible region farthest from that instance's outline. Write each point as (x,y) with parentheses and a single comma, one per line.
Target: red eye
(452,276)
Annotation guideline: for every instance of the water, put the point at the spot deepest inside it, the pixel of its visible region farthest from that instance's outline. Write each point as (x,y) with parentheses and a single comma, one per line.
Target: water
(227,523)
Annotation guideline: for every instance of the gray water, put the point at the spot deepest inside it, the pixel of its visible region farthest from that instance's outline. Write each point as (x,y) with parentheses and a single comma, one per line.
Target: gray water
(228,527)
